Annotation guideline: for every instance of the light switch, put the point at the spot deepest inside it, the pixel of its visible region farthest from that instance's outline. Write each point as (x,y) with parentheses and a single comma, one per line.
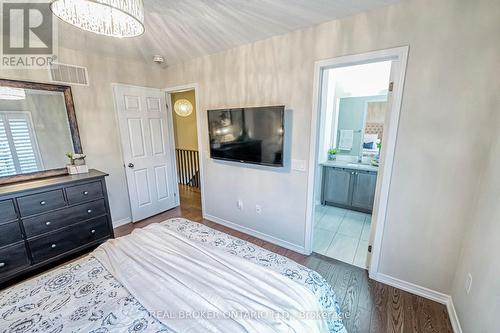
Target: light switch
(299,165)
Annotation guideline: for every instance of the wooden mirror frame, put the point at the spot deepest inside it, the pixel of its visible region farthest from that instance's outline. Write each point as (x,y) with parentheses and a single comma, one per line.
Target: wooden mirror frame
(73,126)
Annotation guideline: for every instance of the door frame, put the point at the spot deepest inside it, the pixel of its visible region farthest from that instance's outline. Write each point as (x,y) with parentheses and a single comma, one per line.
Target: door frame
(199,130)
(171,147)
(388,149)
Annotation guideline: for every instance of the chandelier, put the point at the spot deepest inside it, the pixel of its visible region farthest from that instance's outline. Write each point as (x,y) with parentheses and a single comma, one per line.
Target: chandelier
(115,18)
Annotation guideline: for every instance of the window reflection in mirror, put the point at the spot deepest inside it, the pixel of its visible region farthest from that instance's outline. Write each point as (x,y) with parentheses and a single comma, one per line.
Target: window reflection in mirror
(34,131)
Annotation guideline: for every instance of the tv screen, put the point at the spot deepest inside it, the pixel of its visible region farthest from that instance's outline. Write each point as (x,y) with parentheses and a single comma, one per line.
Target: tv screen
(247,135)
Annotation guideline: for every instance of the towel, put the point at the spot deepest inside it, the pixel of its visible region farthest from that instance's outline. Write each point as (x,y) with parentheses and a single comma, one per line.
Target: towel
(346,139)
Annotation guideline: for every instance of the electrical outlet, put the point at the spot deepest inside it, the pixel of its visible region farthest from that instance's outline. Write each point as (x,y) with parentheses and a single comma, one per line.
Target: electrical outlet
(239,204)
(258,209)
(468,283)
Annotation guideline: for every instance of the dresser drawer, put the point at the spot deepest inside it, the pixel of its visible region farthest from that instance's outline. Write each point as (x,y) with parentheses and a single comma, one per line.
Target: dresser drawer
(84,192)
(41,202)
(67,239)
(12,259)
(10,233)
(47,222)
(7,211)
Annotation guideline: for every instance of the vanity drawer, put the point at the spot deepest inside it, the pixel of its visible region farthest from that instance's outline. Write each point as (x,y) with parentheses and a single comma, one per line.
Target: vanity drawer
(7,211)
(44,223)
(41,202)
(10,233)
(84,192)
(49,246)
(12,259)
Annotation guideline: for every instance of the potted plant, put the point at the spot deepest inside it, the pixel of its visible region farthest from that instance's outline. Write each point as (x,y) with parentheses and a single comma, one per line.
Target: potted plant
(77,164)
(332,154)
(76,159)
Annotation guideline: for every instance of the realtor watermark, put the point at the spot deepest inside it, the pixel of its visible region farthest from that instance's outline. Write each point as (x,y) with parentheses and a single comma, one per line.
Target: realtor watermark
(29,34)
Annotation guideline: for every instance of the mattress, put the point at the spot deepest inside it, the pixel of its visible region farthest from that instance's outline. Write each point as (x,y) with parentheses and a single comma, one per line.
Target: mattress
(83,296)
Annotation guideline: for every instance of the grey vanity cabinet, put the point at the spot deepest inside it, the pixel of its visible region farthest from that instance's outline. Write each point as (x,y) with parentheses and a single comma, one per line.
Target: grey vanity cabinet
(336,184)
(348,188)
(363,191)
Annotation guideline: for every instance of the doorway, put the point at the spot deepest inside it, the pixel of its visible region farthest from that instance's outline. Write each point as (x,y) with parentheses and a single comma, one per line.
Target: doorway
(357,104)
(182,101)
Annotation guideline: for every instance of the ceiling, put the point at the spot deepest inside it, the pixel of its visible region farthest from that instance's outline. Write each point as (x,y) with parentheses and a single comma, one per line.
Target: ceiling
(184,29)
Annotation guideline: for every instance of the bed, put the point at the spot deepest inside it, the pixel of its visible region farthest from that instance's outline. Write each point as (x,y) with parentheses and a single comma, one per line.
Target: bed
(176,276)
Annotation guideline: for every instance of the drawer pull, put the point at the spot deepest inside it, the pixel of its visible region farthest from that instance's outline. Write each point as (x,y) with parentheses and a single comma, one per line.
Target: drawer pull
(42,203)
(92,231)
(53,246)
(85,193)
(2,264)
(48,223)
(89,211)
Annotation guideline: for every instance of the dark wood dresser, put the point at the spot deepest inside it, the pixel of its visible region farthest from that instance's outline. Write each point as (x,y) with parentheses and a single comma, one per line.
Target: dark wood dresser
(45,220)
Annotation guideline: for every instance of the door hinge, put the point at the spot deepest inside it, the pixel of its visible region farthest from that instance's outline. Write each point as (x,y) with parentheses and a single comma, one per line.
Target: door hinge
(391,86)
(370,248)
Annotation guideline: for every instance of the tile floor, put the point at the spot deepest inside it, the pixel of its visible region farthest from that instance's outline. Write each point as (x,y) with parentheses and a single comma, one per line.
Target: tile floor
(342,234)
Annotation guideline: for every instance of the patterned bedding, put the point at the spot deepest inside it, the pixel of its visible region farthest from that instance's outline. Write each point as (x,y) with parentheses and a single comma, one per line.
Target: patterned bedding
(84,297)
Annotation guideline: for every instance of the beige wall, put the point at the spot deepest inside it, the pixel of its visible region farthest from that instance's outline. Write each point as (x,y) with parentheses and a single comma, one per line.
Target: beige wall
(94,107)
(185,127)
(479,311)
(451,83)
(375,112)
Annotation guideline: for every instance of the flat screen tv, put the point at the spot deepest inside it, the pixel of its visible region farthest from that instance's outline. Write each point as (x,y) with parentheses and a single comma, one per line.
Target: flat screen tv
(247,135)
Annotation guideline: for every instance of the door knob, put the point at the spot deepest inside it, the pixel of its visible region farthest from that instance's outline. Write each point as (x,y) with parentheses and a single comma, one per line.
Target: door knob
(131,165)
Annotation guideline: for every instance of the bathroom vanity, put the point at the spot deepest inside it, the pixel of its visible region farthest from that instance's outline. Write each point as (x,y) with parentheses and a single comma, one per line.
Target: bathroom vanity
(348,185)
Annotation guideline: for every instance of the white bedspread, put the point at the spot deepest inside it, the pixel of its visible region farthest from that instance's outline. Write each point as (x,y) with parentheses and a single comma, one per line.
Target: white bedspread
(193,287)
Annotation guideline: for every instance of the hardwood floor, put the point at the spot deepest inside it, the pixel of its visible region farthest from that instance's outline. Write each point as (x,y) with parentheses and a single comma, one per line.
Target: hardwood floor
(368,306)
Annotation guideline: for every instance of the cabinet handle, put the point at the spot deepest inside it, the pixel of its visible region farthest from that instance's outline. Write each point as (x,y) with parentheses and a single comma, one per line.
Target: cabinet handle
(85,193)
(48,223)
(89,211)
(53,246)
(352,172)
(92,231)
(2,264)
(42,203)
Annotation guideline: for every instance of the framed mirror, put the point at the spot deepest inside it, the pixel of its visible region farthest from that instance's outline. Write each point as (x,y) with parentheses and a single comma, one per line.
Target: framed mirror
(37,128)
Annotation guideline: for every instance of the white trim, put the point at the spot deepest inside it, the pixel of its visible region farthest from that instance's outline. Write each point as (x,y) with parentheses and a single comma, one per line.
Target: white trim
(399,54)
(199,130)
(423,292)
(411,288)
(258,234)
(452,313)
(119,223)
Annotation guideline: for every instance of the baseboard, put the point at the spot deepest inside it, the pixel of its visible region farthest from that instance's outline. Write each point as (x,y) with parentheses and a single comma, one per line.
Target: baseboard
(423,292)
(455,323)
(121,222)
(258,234)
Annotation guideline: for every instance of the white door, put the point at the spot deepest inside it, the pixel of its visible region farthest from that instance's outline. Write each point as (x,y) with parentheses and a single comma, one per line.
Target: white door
(147,150)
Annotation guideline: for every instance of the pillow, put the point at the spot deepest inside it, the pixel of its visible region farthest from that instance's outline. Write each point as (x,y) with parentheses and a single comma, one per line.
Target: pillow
(369,145)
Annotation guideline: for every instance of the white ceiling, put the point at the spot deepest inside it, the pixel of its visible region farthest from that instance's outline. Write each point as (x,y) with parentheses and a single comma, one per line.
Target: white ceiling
(186,29)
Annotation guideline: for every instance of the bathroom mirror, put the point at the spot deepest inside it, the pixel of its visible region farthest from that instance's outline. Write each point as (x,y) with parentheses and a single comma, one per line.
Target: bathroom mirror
(37,128)
(360,125)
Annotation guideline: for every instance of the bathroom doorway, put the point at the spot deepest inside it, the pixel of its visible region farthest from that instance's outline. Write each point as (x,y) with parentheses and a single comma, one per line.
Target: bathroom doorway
(353,138)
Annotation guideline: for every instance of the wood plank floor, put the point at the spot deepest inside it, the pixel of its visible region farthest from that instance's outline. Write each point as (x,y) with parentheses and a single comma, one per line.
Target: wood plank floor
(367,305)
